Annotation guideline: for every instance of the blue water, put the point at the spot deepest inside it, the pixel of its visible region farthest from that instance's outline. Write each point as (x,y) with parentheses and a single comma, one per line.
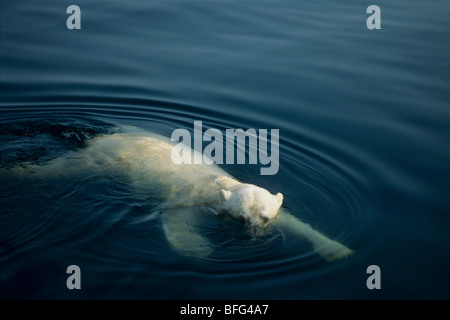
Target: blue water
(364,120)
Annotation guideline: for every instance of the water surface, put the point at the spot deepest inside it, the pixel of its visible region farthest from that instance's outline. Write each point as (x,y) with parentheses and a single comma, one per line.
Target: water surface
(364,144)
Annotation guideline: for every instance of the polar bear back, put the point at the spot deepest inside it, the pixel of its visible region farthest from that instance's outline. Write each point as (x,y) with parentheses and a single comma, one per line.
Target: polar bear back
(147,161)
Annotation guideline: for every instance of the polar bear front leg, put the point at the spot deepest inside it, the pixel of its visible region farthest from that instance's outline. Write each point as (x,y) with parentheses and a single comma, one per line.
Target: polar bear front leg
(328,249)
(180,229)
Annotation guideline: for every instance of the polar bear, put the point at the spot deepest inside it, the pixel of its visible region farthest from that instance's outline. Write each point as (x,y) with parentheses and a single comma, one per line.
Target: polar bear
(188,191)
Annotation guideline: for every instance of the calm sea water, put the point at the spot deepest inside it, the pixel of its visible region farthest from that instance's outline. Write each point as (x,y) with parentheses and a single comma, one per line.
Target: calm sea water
(364,120)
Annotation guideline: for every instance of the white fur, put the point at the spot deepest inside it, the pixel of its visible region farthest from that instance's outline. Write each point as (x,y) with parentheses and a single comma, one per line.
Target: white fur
(186,190)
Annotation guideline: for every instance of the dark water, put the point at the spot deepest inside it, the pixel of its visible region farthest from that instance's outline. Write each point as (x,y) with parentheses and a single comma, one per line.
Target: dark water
(364,122)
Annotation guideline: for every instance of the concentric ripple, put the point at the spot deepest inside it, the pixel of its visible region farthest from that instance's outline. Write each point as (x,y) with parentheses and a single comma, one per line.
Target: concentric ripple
(101,221)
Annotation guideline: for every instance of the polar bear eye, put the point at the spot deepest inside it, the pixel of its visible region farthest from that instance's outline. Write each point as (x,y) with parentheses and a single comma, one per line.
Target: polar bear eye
(264,219)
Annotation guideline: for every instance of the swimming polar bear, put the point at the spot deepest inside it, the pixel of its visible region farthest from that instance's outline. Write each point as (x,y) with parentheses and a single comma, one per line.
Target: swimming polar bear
(187,190)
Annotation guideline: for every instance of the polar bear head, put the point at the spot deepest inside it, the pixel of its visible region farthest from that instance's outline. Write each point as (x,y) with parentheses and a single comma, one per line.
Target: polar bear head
(250,203)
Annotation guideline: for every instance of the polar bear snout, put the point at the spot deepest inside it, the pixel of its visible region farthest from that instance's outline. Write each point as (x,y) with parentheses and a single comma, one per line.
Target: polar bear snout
(260,220)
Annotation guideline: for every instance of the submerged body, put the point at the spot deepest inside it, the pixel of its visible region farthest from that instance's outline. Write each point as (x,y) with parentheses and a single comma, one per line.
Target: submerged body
(187,191)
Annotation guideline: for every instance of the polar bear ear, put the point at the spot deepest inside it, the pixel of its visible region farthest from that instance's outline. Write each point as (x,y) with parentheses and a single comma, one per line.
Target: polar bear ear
(225,195)
(280,198)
